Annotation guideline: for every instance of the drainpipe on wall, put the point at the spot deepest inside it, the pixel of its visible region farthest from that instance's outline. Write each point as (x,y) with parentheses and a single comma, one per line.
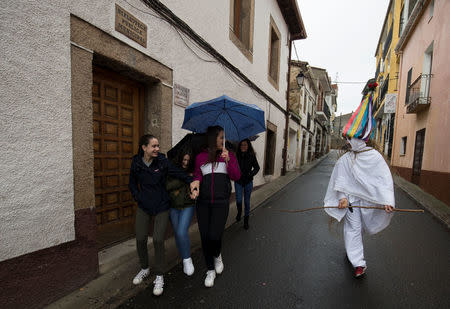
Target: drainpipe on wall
(286,129)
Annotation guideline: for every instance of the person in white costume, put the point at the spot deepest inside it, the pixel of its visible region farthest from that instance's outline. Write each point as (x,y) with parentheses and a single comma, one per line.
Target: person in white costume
(360,177)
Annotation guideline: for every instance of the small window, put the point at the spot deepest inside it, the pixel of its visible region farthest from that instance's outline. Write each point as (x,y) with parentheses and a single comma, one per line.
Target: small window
(305,102)
(426,71)
(402,22)
(274,53)
(431,9)
(403,146)
(241,25)
(242,21)
(408,84)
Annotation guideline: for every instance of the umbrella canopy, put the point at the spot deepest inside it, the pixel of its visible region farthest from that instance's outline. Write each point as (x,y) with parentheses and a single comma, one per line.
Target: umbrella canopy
(193,143)
(239,120)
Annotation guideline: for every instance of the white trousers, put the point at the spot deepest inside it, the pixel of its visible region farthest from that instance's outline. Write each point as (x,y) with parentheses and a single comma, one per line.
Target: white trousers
(353,230)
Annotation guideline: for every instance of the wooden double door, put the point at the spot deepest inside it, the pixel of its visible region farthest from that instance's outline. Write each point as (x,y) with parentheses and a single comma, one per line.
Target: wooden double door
(116,127)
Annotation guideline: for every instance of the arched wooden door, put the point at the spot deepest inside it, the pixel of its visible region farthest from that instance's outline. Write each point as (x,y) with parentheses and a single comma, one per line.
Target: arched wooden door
(116,105)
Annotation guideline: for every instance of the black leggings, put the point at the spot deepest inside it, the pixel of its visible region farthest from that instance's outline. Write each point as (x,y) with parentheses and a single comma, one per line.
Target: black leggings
(211,223)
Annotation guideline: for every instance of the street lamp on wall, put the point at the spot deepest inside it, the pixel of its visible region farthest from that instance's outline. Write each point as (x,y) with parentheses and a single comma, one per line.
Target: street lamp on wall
(300,79)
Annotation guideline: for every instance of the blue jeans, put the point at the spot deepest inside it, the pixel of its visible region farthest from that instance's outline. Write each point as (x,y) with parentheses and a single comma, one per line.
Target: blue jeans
(181,219)
(247,193)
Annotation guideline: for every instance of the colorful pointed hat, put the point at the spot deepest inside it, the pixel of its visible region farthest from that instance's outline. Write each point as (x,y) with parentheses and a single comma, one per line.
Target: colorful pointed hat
(361,123)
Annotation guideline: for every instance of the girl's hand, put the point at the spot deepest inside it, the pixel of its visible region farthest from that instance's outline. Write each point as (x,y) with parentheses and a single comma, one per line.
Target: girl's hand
(195,189)
(225,155)
(343,203)
(388,208)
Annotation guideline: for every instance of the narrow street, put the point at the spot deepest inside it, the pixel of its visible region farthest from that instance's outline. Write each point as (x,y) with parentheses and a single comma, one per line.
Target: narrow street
(298,260)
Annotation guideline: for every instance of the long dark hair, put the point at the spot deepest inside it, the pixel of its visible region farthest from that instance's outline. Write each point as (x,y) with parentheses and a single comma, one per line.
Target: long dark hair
(211,142)
(143,141)
(178,160)
(250,150)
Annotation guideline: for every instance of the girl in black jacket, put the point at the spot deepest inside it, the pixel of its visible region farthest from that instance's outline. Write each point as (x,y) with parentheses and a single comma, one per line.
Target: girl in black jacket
(249,167)
(148,173)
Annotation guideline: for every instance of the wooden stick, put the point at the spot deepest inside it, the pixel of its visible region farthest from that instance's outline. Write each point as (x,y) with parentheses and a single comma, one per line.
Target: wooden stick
(365,207)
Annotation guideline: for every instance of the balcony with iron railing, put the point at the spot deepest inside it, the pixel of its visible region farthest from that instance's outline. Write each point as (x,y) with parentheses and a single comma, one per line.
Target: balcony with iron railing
(418,94)
(323,112)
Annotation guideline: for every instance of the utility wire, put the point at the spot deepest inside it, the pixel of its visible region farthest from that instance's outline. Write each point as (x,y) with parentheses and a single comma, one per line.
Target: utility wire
(236,79)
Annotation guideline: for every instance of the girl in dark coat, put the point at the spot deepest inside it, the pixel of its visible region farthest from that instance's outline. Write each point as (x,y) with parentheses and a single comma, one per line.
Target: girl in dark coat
(249,167)
(214,167)
(148,172)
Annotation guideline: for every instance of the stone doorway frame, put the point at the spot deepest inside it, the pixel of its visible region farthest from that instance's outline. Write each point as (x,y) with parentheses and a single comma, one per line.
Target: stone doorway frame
(91,47)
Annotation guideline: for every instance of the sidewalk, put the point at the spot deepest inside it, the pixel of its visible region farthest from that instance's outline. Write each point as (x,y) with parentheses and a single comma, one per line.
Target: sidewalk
(438,209)
(118,265)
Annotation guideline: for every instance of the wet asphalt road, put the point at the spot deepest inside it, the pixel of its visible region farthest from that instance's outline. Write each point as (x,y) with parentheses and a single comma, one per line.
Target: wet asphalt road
(298,260)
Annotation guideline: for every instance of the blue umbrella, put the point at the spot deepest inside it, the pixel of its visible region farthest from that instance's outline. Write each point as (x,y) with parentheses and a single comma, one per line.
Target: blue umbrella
(239,120)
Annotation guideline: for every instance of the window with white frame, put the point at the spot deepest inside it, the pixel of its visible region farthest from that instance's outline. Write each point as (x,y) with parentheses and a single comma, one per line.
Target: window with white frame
(426,71)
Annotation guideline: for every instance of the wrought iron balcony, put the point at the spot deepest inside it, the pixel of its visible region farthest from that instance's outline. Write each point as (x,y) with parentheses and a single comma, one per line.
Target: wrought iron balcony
(418,94)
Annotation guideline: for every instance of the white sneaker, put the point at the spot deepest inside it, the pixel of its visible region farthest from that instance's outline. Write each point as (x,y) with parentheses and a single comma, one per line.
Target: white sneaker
(188,267)
(218,264)
(159,285)
(141,276)
(210,276)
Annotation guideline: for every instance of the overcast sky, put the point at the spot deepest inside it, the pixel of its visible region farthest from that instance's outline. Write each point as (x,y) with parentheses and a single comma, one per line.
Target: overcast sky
(342,36)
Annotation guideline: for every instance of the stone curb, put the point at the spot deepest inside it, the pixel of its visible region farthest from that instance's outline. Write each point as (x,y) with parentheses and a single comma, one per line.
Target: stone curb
(437,208)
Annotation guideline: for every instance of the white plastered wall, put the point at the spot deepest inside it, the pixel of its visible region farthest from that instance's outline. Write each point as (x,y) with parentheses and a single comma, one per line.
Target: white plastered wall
(36,187)
(36,191)
(206,80)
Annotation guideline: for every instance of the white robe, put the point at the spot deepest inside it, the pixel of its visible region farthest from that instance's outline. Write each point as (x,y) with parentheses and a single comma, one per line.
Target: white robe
(364,179)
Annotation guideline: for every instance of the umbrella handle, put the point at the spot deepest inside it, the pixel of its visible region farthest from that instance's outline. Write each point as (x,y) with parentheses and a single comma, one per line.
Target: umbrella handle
(224,139)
